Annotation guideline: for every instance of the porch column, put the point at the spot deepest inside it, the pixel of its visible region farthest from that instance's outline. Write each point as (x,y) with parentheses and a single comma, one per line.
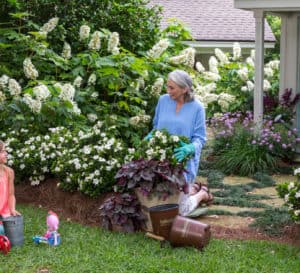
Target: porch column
(259,66)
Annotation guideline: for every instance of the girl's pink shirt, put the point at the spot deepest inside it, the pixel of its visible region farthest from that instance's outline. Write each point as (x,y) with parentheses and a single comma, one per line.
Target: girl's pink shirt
(4,192)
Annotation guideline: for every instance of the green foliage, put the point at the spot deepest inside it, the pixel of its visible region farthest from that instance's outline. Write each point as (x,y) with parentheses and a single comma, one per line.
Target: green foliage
(137,23)
(272,221)
(275,24)
(97,250)
(240,156)
(264,179)
(240,148)
(290,192)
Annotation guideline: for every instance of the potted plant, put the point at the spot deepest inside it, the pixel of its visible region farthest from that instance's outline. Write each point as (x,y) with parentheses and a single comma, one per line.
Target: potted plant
(154,173)
(154,169)
(122,212)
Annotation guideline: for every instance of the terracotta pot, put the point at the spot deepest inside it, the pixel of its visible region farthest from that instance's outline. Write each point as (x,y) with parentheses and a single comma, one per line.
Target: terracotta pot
(151,201)
(162,217)
(189,232)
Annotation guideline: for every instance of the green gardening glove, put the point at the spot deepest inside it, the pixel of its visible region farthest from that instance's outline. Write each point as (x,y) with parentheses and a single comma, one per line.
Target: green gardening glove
(184,151)
(148,137)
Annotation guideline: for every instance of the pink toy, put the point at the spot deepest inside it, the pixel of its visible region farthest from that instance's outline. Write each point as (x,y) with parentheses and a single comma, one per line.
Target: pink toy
(51,237)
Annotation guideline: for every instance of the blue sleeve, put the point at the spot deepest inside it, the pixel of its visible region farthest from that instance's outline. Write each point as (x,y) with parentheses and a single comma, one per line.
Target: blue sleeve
(199,133)
(155,119)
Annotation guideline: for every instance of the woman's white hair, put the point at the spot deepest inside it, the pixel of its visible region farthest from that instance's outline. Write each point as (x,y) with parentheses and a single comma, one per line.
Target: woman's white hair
(183,80)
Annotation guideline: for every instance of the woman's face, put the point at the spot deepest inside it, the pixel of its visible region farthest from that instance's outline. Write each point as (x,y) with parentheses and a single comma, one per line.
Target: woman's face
(3,156)
(176,92)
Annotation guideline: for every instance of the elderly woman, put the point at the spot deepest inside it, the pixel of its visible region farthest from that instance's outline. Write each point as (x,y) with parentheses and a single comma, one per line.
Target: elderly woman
(181,114)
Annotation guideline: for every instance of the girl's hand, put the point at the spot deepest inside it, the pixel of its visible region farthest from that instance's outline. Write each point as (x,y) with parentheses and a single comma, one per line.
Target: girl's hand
(15,213)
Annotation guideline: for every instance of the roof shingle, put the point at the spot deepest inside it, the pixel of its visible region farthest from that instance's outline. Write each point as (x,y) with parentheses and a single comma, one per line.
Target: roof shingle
(212,20)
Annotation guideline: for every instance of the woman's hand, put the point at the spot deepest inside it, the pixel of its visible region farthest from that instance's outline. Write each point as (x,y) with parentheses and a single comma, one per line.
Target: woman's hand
(184,151)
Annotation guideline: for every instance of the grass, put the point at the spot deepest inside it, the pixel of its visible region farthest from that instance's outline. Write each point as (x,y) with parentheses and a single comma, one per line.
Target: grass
(90,249)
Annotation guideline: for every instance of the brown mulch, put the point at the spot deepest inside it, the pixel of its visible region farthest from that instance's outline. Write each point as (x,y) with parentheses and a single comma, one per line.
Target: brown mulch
(85,210)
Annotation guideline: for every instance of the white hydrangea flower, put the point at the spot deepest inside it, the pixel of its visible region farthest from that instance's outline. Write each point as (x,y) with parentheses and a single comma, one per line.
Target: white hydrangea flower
(67,91)
(95,42)
(274,64)
(77,82)
(244,89)
(67,51)
(291,186)
(200,68)
(243,73)
(41,92)
(236,51)
(186,57)
(34,105)
(49,26)
(250,85)
(224,100)
(213,65)
(157,87)
(250,61)
(113,43)
(157,50)
(92,117)
(94,95)
(139,120)
(210,76)
(76,109)
(29,69)
(2,96)
(92,79)
(267,85)
(221,56)
(268,71)
(14,87)
(3,81)
(296,171)
(84,32)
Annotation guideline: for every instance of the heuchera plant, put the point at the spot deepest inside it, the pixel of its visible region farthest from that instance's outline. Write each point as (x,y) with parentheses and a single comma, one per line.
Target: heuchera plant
(123,210)
(151,176)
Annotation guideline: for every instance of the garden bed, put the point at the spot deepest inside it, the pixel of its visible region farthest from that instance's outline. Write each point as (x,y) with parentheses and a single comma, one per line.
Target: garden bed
(85,210)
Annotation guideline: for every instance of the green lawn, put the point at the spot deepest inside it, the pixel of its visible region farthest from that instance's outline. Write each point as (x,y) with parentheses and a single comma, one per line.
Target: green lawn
(87,249)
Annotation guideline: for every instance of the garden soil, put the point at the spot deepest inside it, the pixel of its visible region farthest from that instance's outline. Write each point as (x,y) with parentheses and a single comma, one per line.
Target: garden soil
(77,207)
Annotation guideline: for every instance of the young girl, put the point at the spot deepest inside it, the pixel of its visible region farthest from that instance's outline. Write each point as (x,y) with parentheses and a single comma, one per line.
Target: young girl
(7,189)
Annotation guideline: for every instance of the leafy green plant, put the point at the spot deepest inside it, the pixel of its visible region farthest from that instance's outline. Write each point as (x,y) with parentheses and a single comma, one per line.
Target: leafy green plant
(239,148)
(122,210)
(272,221)
(98,250)
(160,178)
(291,194)
(160,147)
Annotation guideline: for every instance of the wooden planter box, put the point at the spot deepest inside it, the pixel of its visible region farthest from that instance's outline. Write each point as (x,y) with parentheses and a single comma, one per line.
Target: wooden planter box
(151,201)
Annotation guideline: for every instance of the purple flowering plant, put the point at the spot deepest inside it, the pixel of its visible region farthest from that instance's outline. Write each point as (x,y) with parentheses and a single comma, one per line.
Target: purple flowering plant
(241,148)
